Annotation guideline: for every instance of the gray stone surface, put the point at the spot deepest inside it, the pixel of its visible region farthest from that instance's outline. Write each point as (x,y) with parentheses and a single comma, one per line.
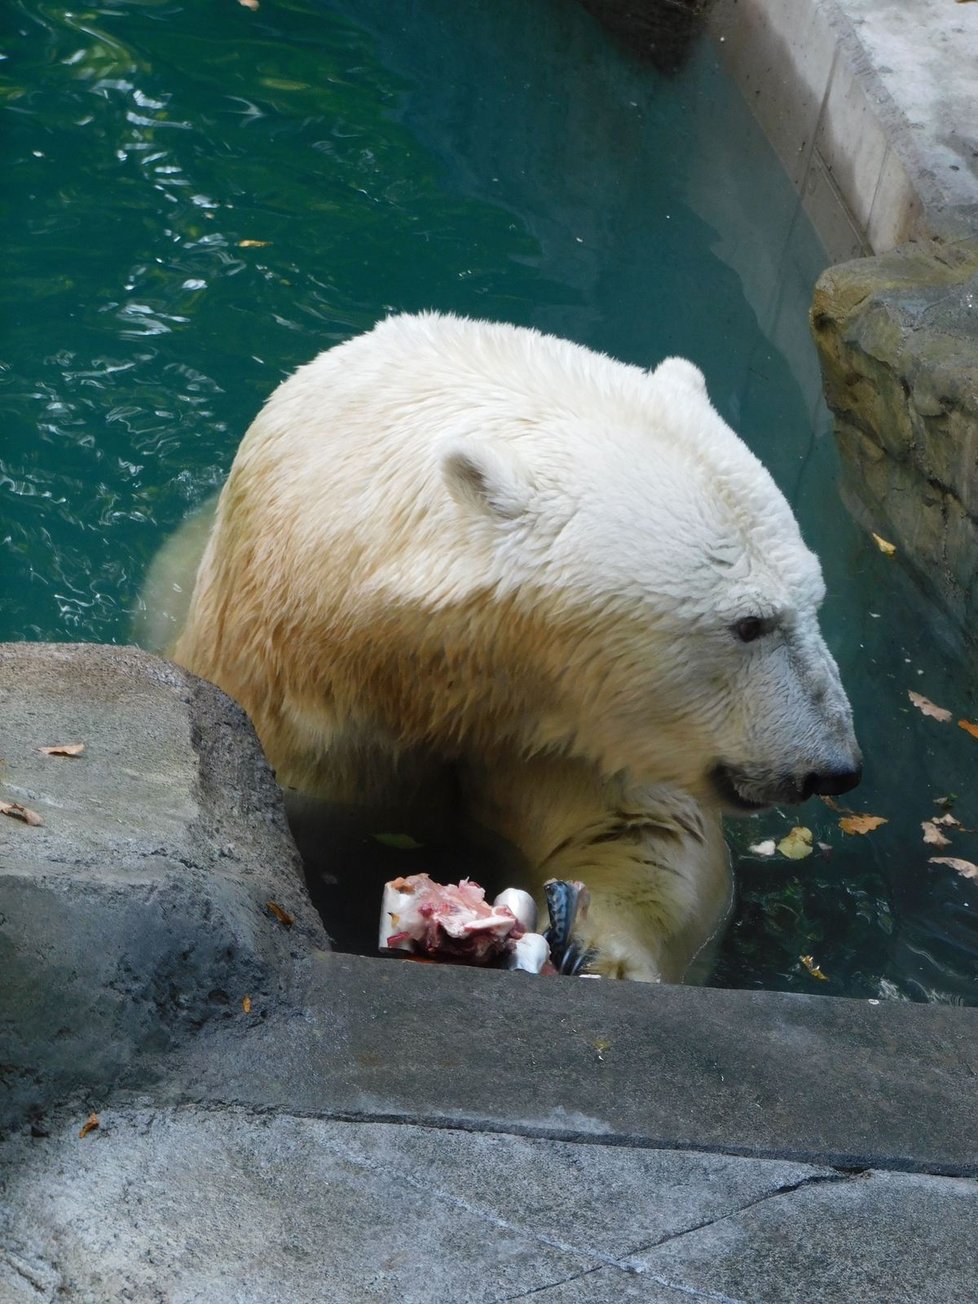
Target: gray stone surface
(299,1208)
(898,340)
(136,912)
(377,1129)
(872,1238)
(195,1205)
(897,1237)
(758,1073)
(869,104)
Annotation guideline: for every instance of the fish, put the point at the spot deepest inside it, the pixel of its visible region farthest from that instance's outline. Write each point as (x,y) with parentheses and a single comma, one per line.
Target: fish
(567,900)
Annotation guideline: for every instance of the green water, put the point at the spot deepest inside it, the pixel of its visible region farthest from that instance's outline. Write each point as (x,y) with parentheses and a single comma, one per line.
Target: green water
(499,159)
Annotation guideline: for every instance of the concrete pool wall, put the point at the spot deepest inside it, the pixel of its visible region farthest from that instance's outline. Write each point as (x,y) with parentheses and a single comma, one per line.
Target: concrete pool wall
(872,107)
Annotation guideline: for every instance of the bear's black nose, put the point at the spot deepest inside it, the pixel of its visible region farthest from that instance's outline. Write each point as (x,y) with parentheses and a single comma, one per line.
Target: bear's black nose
(831,783)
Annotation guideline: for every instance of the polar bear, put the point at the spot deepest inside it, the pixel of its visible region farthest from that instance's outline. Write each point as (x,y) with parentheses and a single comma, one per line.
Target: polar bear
(454,543)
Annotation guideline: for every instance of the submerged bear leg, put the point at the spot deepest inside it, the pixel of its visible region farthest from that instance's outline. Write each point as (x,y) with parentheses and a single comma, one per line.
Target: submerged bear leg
(165,598)
(653,860)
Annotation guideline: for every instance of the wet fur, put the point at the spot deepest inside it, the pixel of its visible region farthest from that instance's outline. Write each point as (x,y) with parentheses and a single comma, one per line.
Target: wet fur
(449,543)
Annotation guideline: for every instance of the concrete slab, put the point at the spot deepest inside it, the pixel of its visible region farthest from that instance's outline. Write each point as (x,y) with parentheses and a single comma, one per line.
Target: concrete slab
(870,105)
(266,1208)
(222,1205)
(894,1237)
(925,54)
(874,1238)
(757,1073)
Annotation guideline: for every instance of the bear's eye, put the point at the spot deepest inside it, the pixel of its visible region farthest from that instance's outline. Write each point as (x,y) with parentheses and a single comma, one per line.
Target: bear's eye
(749,629)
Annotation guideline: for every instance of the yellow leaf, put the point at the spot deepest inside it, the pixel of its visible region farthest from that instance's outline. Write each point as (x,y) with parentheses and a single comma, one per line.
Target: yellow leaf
(933,835)
(18,812)
(253,244)
(90,1124)
(968,727)
(63,749)
(964,867)
(797,844)
(861,823)
(809,962)
(246,1004)
(888,549)
(927,707)
(947,820)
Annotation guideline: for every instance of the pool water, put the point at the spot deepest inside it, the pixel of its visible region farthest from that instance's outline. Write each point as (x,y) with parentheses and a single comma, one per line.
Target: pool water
(200,196)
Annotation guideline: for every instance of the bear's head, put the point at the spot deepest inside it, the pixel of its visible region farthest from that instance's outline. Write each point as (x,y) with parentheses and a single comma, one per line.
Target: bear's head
(663,588)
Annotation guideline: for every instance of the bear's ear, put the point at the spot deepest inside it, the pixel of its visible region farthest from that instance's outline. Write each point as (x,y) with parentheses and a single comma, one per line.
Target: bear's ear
(487,478)
(681,372)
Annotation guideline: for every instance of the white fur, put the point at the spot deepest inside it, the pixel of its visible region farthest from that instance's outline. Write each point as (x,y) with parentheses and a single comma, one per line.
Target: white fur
(453,541)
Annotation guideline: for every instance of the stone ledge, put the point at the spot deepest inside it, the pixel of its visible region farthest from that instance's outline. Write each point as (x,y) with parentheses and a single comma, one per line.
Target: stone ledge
(868,109)
(898,342)
(136,912)
(818,1079)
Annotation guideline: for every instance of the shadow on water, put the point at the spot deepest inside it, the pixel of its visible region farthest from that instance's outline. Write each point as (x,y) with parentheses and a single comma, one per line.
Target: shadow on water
(199,197)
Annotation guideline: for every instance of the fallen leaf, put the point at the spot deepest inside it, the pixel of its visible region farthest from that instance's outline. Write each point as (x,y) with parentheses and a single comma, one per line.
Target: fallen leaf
(399,841)
(933,835)
(830,802)
(246,1004)
(861,823)
(90,1125)
(63,749)
(281,915)
(254,244)
(888,549)
(766,848)
(968,727)
(797,844)
(927,707)
(809,962)
(249,4)
(947,819)
(964,867)
(18,812)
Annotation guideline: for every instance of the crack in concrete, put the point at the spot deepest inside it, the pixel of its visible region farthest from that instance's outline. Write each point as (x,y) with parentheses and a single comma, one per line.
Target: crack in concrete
(547,1285)
(716,1297)
(815,1179)
(695,1292)
(537,1132)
